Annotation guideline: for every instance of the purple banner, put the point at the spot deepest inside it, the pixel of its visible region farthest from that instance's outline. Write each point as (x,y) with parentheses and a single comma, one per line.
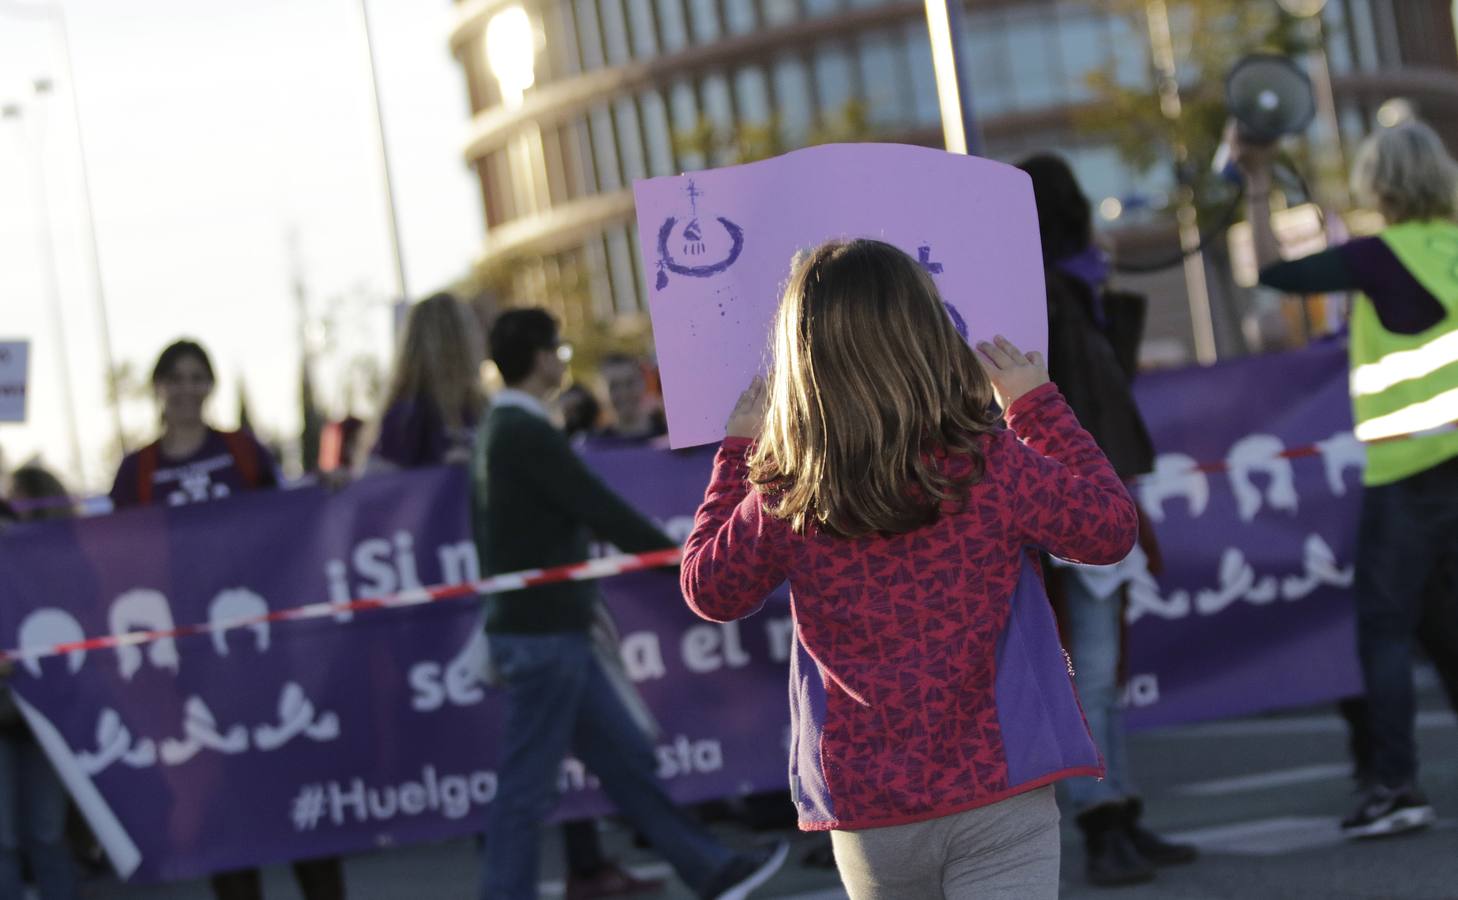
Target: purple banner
(1254,608)
(329,737)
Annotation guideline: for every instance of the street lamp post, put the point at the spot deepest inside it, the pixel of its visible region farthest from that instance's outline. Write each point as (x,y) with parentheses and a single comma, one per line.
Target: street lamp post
(57,16)
(959,125)
(51,276)
(1202,317)
(402,293)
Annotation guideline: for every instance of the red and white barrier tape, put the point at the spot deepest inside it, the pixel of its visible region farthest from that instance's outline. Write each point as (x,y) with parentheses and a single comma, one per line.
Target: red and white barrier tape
(1213,468)
(510,581)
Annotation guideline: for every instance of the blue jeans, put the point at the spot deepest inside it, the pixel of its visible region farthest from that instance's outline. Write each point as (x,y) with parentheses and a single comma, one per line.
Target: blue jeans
(1093,642)
(1408,531)
(559,699)
(33,821)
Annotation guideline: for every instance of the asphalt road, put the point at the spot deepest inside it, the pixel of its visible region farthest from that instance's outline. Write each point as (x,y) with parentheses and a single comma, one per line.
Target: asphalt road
(1261,797)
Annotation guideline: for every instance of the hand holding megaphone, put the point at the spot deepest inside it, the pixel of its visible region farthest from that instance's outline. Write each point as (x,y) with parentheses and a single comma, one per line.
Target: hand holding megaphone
(1253,160)
(1269,97)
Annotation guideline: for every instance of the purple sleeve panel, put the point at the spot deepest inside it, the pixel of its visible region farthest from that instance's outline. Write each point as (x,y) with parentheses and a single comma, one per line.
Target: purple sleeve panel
(1043,729)
(808,784)
(1403,305)
(411,435)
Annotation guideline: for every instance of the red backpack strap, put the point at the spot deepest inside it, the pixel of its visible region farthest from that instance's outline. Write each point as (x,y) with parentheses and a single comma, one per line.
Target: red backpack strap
(245,457)
(147,459)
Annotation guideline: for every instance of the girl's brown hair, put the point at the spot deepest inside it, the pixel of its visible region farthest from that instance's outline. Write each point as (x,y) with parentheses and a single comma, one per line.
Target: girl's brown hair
(871,384)
(439,360)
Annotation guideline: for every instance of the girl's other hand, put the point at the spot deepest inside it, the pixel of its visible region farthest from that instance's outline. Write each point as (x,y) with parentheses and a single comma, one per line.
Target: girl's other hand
(1012,372)
(748,416)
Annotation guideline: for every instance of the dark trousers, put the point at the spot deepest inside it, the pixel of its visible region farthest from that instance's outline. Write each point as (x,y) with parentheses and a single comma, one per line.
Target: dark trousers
(1407,540)
(319,879)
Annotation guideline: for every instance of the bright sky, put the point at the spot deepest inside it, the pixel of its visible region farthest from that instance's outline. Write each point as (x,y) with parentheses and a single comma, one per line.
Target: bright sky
(213,130)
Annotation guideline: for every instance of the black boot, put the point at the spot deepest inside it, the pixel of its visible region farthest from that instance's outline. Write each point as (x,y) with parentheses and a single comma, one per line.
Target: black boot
(1110,857)
(1151,846)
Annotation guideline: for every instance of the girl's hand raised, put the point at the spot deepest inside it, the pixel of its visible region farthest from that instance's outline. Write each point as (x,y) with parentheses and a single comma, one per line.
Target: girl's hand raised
(748,416)
(1012,372)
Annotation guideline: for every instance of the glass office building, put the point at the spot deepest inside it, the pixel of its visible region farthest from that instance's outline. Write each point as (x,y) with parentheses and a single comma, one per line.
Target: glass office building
(573,99)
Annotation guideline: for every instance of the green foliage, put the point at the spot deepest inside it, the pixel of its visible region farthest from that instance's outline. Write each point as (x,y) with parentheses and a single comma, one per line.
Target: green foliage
(1209,36)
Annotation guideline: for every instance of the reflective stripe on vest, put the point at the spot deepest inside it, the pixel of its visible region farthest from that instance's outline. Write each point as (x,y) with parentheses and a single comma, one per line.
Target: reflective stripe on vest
(1405,386)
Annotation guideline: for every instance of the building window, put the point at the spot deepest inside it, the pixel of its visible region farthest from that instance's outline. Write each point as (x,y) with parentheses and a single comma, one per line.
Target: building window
(751,93)
(561,53)
(923,77)
(643,27)
(615,32)
(1084,50)
(622,272)
(657,135)
(833,79)
(1033,67)
(1131,62)
(739,16)
(684,104)
(589,34)
(793,101)
(604,150)
(630,141)
(884,74)
(706,25)
(985,39)
(718,106)
(579,142)
(780,12)
(672,25)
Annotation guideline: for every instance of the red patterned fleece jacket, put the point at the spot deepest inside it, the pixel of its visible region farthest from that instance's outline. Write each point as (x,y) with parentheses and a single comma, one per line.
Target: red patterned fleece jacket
(927,677)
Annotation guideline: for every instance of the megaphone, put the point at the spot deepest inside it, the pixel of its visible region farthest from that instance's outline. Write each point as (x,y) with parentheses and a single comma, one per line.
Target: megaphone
(1269,97)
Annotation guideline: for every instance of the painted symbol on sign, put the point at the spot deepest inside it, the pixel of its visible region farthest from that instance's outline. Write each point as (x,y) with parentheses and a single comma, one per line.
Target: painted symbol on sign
(695,244)
(923,257)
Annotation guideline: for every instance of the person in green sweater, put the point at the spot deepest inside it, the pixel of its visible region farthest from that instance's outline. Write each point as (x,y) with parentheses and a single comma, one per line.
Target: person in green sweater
(536,505)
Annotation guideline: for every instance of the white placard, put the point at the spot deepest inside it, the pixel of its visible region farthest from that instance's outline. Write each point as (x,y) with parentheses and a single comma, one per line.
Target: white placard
(13,358)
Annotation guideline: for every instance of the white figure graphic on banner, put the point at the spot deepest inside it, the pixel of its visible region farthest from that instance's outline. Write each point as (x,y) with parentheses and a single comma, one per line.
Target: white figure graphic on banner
(45,628)
(1261,454)
(143,609)
(235,605)
(1175,475)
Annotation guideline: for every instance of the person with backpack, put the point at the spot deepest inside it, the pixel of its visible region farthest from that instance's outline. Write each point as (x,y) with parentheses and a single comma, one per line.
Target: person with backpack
(1093,351)
(192,462)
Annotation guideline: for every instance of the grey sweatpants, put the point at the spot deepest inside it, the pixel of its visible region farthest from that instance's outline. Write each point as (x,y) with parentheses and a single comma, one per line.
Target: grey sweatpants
(1006,851)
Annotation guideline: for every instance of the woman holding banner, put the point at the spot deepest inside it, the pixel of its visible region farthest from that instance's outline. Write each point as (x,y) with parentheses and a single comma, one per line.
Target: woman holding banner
(931,705)
(435,398)
(193,462)
(1404,386)
(32,799)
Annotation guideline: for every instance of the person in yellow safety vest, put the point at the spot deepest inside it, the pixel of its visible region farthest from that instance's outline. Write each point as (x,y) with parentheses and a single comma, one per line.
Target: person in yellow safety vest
(1404,386)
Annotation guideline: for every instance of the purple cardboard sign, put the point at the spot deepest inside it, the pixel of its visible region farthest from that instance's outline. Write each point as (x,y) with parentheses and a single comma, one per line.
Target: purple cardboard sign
(717,247)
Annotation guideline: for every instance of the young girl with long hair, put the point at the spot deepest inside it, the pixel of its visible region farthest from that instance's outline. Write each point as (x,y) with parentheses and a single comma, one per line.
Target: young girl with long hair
(435,396)
(931,702)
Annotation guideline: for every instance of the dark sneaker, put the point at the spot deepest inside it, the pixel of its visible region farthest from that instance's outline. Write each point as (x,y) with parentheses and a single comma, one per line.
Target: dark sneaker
(1386,811)
(1109,857)
(611,880)
(1151,846)
(745,872)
